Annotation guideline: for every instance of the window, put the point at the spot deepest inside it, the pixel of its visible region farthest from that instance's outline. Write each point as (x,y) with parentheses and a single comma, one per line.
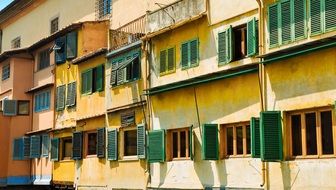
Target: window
(103,8)
(54,25)
(44,59)
(125,69)
(5,72)
(167,61)
(304,129)
(179,144)
(189,54)
(45,145)
(66,148)
(42,101)
(93,80)
(23,107)
(91,144)
(127,119)
(16,43)
(71,94)
(240,42)
(237,140)
(130,143)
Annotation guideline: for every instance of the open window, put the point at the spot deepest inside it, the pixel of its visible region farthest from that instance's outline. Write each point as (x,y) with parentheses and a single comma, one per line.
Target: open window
(91,143)
(66,148)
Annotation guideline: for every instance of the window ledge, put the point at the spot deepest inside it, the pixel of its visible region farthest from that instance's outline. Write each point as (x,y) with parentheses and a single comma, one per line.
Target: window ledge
(129,158)
(130,82)
(67,160)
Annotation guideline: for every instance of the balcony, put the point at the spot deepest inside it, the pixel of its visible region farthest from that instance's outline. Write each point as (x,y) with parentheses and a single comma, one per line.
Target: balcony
(174,13)
(128,33)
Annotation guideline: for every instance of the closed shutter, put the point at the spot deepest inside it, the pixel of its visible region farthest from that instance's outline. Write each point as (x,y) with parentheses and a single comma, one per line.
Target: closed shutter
(273,25)
(251,38)
(54,152)
(193,52)
(229,47)
(71,45)
(315,16)
(35,146)
(112,145)
(299,19)
(171,59)
(26,147)
(210,142)
(156,146)
(255,137)
(18,149)
(286,29)
(191,143)
(71,95)
(101,143)
(77,146)
(185,55)
(60,99)
(222,47)
(45,145)
(141,141)
(330,14)
(113,80)
(271,136)
(9,107)
(87,82)
(60,53)
(100,78)
(163,61)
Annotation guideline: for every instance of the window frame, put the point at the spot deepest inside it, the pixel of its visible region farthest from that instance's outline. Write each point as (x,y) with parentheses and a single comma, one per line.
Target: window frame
(317,112)
(16,42)
(18,104)
(5,75)
(39,68)
(86,144)
(63,157)
(170,144)
(93,76)
(123,144)
(51,24)
(167,71)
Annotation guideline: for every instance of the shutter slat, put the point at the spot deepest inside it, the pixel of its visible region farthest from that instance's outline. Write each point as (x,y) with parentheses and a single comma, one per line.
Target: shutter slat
(141,141)
(60,99)
(54,153)
(71,45)
(26,147)
(171,59)
(101,143)
(315,16)
(193,52)
(60,53)
(273,25)
(285,22)
(251,38)
(299,19)
(9,107)
(77,145)
(255,137)
(45,145)
(35,146)
(210,142)
(229,49)
(100,78)
(184,55)
(156,146)
(163,61)
(113,80)
(112,146)
(222,47)
(18,149)
(330,14)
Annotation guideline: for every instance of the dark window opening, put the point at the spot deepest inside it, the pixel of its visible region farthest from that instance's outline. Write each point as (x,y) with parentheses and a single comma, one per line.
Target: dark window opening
(311,133)
(240,42)
(296,135)
(327,134)
(130,143)
(92,144)
(229,141)
(67,149)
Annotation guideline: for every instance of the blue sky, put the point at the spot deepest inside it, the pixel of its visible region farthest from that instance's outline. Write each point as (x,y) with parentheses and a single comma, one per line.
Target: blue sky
(4,3)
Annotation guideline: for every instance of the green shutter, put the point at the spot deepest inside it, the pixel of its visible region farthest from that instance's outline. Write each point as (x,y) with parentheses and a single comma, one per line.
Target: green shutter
(255,137)
(9,107)
(251,38)
(45,145)
(121,75)
(77,145)
(35,146)
(156,146)
(330,14)
(26,147)
(141,141)
(163,60)
(60,53)
(113,80)
(100,78)
(87,82)
(210,142)
(316,17)
(101,143)
(286,29)
(71,94)
(221,47)
(193,50)
(171,59)
(112,145)
(185,55)
(299,17)
(71,45)
(191,143)
(60,99)
(54,152)
(273,21)
(18,149)
(229,47)
(271,136)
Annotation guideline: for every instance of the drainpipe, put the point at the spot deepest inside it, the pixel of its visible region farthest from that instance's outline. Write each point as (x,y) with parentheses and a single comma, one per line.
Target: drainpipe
(261,77)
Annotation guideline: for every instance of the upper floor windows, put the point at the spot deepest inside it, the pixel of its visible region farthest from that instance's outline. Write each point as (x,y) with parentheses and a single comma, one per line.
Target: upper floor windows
(189,54)
(93,80)
(103,8)
(237,139)
(42,101)
(43,59)
(5,72)
(16,42)
(66,47)
(66,96)
(54,25)
(167,60)
(15,107)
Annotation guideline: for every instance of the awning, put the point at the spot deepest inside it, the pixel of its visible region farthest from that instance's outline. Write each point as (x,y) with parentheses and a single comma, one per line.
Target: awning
(38,131)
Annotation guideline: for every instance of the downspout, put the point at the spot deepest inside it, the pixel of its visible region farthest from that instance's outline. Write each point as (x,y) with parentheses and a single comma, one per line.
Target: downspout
(32,114)
(264,182)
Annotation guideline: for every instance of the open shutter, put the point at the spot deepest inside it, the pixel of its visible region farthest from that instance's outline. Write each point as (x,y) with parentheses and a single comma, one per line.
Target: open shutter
(60,53)
(251,38)
(171,59)
(271,136)
(156,146)
(273,21)
(286,29)
(35,146)
(193,45)
(255,137)
(18,149)
(87,82)
(77,146)
(26,147)
(100,78)
(71,95)
(113,80)
(222,47)
(185,55)
(60,99)
(112,145)
(315,16)
(229,48)
(121,75)
(330,14)
(9,107)
(71,45)
(101,143)
(210,142)
(54,153)
(299,19)
(45,145)
(163,61)
(141,141)
(191,143)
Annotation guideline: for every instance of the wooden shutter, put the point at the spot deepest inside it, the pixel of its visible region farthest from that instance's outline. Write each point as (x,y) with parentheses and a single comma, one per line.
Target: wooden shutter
(87,82)
(156,146)
(171,59)
(163,61)
(45,145)
(193,50)
(127,119)
(35,146)
(60,53)
(71,95)
(185,55)
(286,29)
(330,14)
(299,19)
(315,16)
(251,38)
(141,141)
(222,47)
(26,147)
(112,145)
(18,149)
(100,78)
(255,137)
(229,47)
(273,21)
(71,45)
(54,153)
(101,143)
(121,75)
(210,142)
(77,145)
(60,99)
(9,107)
(113,80)
(271,136)
(191,143)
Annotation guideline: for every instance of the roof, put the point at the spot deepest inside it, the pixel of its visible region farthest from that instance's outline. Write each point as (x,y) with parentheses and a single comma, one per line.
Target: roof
(13,9)
(34,89)
(89,55)
(10,53)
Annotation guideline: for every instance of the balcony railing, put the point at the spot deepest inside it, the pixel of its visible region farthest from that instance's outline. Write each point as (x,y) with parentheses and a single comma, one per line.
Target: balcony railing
(127,34)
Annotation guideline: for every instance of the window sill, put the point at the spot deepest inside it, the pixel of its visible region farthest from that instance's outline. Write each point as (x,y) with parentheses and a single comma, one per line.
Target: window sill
(180,159)
(237,156)
(293,158)
(124,83)
(191,66)
(38,70)
(66,160)
(129,158)
(91,156)
(167,73)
